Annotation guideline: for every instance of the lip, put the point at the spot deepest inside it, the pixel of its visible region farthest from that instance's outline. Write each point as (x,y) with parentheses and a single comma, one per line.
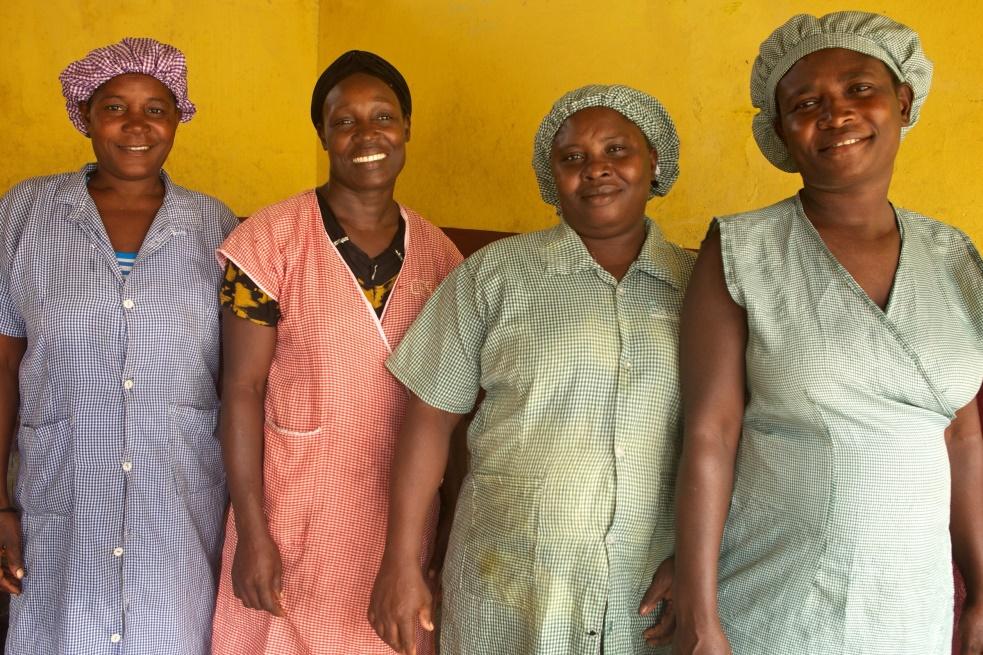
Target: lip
(369,157)
(600,195)
(845,143)
(135,149)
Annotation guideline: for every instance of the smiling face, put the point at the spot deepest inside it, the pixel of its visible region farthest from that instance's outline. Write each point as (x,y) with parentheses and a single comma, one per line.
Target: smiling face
(840,115)
(131,119)
(603,167)
(364,133)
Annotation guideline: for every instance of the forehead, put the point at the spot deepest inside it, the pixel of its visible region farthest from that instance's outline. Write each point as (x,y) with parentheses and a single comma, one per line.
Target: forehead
(597,122)
(359,87)
(831,63)
(132,85)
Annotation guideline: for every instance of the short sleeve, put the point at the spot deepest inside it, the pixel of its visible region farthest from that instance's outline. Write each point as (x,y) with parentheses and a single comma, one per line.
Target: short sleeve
(729,253)
(11,321)
(245,299)
(253,247)
(439,359)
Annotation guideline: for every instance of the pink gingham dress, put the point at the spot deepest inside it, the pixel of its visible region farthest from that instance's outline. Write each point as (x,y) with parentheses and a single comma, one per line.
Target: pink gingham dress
(332,414)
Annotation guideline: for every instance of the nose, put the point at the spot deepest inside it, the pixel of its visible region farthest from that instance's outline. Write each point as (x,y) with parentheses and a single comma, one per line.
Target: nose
(836,112)
(596,167)
(364,131)
(136,121)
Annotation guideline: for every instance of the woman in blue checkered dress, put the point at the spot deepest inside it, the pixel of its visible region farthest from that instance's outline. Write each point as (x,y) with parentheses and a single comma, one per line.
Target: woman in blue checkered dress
(108,361)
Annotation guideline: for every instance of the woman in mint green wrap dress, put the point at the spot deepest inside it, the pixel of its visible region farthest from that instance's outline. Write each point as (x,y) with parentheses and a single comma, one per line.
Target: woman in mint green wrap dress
(832,347)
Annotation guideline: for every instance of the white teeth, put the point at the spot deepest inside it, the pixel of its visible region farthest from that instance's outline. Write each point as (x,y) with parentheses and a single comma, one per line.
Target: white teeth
(848,142)
(136,148)
(369,158)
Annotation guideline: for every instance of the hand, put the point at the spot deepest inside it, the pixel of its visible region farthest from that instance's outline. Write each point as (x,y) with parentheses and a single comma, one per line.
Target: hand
(11,562)
(257,573)
(400,598)
(660,634)
(708,640)
(971,629)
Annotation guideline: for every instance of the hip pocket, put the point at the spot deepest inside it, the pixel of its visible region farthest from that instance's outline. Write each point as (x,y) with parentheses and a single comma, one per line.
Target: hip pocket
(501,561)
(292,466)
(46,480)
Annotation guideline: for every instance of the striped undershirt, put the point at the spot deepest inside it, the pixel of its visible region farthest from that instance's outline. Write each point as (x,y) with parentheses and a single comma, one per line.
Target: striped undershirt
(125,261)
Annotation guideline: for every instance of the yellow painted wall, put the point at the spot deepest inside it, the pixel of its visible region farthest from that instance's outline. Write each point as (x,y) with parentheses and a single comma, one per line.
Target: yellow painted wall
(483,73)
(250,62)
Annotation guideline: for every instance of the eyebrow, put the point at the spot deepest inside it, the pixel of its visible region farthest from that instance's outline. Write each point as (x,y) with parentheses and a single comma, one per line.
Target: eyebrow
(845,76)
(116,96)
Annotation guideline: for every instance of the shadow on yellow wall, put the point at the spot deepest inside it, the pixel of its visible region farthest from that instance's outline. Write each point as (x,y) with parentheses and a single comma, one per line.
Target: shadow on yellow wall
(482,73)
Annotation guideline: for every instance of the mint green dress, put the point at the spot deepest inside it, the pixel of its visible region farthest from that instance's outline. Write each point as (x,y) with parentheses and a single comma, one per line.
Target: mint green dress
(568,507)
(837,540)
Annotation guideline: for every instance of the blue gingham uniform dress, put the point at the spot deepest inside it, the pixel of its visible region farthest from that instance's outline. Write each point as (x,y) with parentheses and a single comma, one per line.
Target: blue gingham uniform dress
(837,540)
(568,507)
(121,481)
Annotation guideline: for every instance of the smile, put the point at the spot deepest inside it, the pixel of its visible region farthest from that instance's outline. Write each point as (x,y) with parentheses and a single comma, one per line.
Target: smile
(841,144)
(366,159)
(136,148)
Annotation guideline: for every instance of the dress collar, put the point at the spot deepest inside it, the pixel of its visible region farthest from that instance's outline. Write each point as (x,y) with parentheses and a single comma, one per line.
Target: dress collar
(566,253)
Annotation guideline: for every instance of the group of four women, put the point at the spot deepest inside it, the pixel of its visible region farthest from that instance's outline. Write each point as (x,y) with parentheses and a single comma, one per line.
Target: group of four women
(793,497)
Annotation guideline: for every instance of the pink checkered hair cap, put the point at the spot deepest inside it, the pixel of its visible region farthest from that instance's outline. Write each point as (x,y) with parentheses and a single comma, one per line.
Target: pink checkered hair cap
(81,78)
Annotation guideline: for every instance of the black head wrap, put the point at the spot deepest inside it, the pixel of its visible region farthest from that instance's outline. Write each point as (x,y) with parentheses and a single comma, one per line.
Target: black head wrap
(359,61)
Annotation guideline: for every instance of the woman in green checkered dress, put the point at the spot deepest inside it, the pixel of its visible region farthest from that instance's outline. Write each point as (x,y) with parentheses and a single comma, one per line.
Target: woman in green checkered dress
(566,513)
(832,347)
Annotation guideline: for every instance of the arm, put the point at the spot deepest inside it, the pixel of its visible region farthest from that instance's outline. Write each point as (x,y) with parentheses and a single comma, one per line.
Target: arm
(965,444)
(712,345)
(11,352)
(400,596)
(458,461)
(248,352)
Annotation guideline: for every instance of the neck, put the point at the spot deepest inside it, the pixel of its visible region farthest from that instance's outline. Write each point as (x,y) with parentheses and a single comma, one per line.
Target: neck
(126,190)
(863,208)
(616,253)
(361,209)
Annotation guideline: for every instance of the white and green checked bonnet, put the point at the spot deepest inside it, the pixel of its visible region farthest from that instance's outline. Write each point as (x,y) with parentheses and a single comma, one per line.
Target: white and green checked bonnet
(874,35)
(640,108)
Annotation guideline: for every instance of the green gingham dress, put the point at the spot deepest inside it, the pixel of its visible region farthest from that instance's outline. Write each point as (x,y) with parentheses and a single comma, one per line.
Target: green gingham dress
(567,509)
(837,540)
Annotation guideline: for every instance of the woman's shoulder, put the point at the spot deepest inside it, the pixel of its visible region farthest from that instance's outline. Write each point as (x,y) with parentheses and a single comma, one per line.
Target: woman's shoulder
(282,219)
(763,217)
(435,237)
(936,237)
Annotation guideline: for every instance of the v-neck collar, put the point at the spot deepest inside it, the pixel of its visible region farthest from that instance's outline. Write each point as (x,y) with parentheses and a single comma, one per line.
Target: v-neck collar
(899,273)
(376,319)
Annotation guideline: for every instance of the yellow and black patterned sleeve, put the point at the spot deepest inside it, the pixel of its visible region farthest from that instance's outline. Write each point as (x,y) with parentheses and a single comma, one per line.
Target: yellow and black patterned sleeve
(246,300)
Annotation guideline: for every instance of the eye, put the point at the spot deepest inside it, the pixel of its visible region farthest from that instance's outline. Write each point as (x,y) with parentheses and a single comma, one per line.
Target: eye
(571,157)
(156,111)
(805,104)
(616,148)
(384,117)
(114,107)
(860,88)
(343,122)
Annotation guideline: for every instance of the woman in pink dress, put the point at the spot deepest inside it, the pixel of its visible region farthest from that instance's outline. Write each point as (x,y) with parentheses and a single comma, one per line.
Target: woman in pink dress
(318,290)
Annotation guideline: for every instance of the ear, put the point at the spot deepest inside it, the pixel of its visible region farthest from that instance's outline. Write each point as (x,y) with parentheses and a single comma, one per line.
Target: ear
(779,130)
(406,122)
(319,128)
(86,118)
(906,96)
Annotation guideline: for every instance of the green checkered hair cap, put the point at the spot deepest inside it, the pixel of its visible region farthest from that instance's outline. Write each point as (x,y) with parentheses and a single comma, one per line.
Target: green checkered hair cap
(874,35)
(640,108)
